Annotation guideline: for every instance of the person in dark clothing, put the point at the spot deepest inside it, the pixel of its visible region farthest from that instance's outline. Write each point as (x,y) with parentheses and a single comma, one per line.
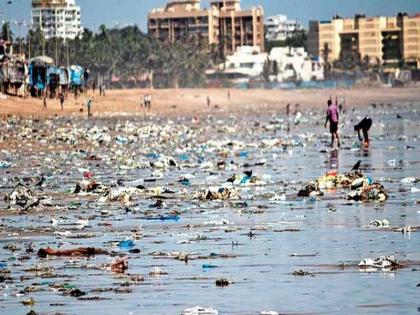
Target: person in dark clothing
(89,104)
(208,102)
(62,100)
(364,125)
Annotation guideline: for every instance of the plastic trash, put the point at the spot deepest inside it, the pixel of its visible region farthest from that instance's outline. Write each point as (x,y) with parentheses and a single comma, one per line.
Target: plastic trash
(156,271)
(175,218)
(199,310)
(415,190)
(209,266)
(127,244)
(4,164)
(119,264)
(153,156)
(379,223)
(409,180)
(381,262)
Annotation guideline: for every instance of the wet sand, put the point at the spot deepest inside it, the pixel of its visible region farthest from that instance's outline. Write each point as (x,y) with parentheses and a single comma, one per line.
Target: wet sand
(188,102)
(259,241)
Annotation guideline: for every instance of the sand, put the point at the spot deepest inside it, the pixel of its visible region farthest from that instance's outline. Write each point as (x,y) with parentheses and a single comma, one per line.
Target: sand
(192,102)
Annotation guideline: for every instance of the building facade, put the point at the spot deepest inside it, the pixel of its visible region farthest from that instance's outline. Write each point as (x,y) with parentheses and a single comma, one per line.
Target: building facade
(279,28)
(224,23)
(57,18)
(388,40)
(294,64)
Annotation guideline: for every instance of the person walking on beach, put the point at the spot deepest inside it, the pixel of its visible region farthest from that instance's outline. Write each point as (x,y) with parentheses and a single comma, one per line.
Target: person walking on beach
(62,100)
(89,104)
(364,125)
(208,102)
(103,89)
(149,100)
(44,103)
(146,100)
(332,118)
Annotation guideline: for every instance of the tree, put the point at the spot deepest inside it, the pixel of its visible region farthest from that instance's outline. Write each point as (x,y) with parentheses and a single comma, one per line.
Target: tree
(275,67)
(325,56)
(299,38)
(6,33)
(267,70)
(129,55)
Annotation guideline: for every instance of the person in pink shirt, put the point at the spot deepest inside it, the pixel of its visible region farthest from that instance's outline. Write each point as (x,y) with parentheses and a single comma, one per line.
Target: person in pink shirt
(332,118)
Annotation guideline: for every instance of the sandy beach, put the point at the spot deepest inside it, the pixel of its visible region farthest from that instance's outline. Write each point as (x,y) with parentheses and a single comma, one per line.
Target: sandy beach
(209,212)
(190,102)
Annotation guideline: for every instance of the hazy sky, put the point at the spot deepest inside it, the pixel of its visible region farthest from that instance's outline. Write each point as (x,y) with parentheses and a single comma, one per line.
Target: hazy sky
(110,12)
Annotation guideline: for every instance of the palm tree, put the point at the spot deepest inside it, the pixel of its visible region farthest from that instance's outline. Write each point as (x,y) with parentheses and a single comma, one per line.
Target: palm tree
(6,33)
(325,56)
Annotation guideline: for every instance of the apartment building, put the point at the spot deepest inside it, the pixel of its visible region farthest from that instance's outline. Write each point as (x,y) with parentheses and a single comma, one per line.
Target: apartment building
(223,23)
(279,27)
(386,39)
(57,18)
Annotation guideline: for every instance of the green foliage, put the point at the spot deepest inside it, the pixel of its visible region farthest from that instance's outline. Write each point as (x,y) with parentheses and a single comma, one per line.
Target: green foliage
(298,39)
(351,61)
(326,56)
(275,67)
(267,70)
(6,33)
(130,55)
(272,44)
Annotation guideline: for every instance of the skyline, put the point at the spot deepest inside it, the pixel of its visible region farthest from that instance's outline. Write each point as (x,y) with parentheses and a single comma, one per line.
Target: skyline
(124,12)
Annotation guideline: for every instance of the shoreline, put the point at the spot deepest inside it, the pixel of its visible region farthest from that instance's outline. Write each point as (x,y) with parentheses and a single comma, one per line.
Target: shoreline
(192,102)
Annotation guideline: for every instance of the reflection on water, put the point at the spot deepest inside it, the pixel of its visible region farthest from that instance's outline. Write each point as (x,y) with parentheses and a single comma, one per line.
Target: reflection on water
(334,160)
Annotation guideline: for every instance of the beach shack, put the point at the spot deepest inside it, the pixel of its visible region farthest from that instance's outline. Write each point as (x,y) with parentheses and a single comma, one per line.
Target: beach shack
(38,74)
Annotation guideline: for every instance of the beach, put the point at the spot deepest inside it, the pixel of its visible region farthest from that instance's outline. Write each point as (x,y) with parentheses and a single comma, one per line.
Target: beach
(191,102)
(237,209)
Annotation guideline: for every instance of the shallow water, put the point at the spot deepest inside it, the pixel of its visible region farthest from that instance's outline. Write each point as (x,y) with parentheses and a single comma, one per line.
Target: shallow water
(262,265)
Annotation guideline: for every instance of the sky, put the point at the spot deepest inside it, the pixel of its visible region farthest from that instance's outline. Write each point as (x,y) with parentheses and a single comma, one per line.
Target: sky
(114,12)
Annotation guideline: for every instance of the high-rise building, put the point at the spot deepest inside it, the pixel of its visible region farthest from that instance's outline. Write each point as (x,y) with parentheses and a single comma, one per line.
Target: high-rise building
(279,27)
(388,40)
(224,23)
(57,18)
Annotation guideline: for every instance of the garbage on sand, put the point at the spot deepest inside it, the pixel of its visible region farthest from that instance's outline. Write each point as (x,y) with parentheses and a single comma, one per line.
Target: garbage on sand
(382,262)
(362,187)
(81,251)
(222,193)
(119,264)
(379,223)
(199,310)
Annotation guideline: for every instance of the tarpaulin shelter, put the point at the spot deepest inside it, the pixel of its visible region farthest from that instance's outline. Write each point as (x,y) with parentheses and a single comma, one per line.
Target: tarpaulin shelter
(76,76)
(38,73)
(64,76)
